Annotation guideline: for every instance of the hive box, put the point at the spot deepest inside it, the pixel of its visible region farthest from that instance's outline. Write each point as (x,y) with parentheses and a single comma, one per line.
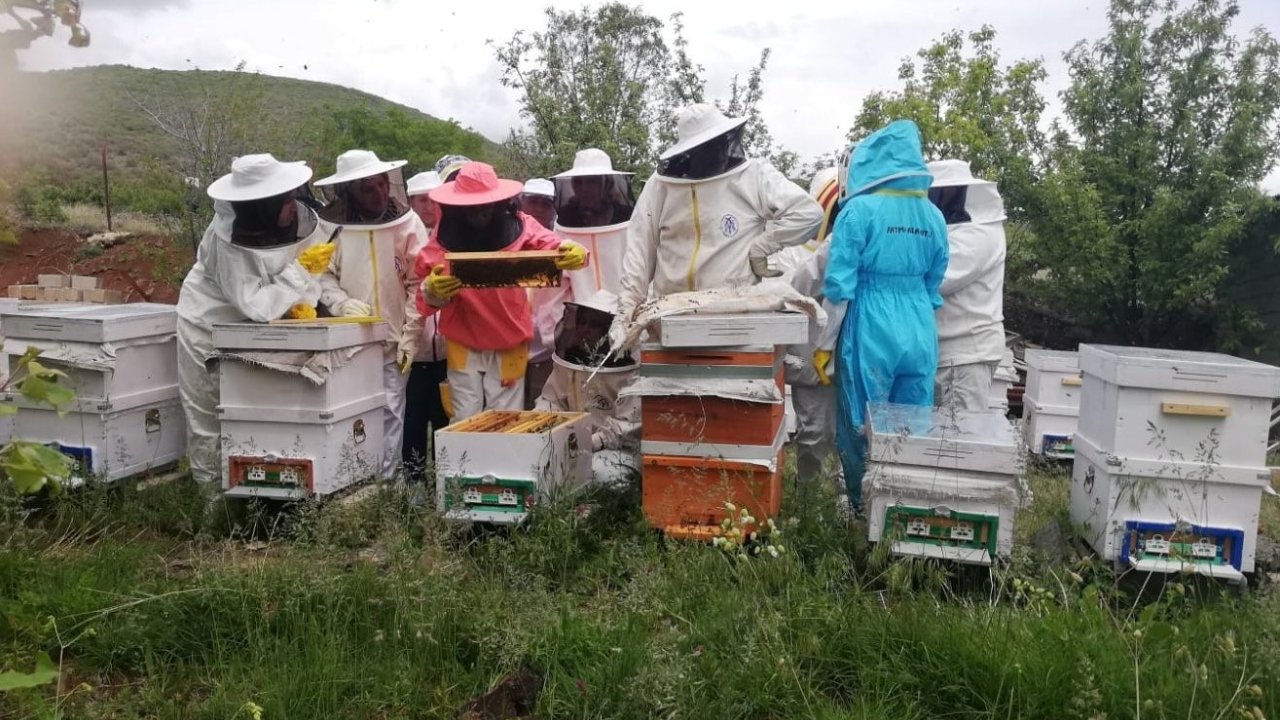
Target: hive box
(1050,431)
(1167,517)
(1052,402)
(685,496)
(6,422)
(1170,405)
(708,418)
(120,361)
(496,466)
(285,437)
(942,483)
(732,329)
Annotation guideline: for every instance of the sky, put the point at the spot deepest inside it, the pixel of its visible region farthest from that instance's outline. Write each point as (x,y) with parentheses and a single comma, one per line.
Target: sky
(436,56)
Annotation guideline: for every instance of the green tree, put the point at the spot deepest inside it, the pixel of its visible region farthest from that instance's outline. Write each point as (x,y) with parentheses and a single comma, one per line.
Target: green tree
(591,78)
(392,134)
(968,106)
(1169,124)
(607,78)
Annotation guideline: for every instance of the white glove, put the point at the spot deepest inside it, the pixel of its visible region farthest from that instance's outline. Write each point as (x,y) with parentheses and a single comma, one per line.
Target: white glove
(352,307)
(406,350)
(759,260)
(617,336)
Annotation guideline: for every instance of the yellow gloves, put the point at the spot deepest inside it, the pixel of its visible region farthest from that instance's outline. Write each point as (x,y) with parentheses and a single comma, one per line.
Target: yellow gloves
(441,287)
(820,360)
(302,312)
(316,258)
(572,256)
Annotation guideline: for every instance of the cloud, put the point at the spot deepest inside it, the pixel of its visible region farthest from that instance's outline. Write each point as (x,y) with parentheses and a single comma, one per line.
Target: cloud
(825,57)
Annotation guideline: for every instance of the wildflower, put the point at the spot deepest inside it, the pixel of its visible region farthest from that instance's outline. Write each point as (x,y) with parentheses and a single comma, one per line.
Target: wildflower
(731,507)
(773,551)
(1253,691)
(780,549)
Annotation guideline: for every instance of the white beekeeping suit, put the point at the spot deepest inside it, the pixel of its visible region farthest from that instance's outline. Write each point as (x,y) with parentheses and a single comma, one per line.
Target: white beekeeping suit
(373,272)
(593,208)
(804,267)
(971,319)
(588,378)
(246,270)
(710,217)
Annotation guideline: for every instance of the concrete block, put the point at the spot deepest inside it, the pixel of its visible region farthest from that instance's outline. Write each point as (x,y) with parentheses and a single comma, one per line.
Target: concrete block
(52,281)
(84,282)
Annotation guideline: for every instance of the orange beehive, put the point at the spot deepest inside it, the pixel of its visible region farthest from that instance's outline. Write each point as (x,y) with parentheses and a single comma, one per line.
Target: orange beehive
(707,418)
(685,496)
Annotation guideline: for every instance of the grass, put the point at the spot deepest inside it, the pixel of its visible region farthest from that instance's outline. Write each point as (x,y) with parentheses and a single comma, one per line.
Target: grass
(89,218)
(378,610)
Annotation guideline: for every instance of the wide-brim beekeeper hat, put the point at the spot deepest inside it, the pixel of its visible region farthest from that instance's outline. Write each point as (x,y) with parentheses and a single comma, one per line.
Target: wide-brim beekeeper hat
(357,164)
(254,177)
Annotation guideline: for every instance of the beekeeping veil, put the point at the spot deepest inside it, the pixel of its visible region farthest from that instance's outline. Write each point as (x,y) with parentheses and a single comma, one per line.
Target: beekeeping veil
(349,203)
(593,206)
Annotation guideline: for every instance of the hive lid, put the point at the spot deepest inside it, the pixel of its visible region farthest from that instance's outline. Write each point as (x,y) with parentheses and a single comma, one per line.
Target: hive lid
(313,337)
(89,323)
(732,329)
(1182,370)
(978,441)
(1065,361)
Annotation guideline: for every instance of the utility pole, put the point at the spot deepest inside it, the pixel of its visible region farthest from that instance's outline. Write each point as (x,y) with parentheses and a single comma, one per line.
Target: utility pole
(106,186)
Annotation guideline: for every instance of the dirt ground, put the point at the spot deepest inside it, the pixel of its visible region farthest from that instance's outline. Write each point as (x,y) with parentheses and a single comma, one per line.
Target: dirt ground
(145,268)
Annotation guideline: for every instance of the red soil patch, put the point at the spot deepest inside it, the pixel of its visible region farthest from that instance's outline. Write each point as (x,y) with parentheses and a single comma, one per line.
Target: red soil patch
(147,268)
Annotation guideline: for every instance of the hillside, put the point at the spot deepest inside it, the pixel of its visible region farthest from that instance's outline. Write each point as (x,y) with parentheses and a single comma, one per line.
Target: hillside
(59,119)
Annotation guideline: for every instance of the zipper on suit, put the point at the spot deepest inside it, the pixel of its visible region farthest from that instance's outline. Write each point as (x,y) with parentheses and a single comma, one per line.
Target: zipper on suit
(697,237)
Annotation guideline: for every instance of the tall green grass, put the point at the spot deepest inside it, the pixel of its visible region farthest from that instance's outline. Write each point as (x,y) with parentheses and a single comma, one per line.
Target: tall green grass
(379,610)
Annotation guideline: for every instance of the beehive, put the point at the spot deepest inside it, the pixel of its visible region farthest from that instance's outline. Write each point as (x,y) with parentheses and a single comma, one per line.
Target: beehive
(1171,458)
(284,436)
(1052,402)
(942,483)
(712,421)
(119,360)
(496,466)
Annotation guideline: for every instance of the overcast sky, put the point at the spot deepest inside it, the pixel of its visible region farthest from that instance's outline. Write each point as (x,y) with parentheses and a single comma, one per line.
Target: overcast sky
(433,55)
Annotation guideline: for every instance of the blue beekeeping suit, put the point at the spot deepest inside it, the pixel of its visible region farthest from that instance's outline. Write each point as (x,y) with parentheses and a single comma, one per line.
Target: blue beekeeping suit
(888,258)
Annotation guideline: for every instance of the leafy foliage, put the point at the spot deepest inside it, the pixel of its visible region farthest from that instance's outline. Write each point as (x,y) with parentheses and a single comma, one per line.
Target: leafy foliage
(1169,125)
(607,78)
(32,466)
(968,106)
(393,134)
(45,672)
(1125,215)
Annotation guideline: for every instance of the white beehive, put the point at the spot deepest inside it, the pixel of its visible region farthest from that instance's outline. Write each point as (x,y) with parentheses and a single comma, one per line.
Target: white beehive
(495,466)
(1053,378)
(284,436)
(1170,405)
(1005,377)
(1167,517)
(6,422)
(942,483)
(730,329)
(120,362)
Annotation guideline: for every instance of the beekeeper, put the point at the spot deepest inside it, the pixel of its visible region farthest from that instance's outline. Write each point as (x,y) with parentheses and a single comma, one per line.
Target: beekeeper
(538,200)
(486,330)
(709,217)
(424,410)
(588,377)
(887,260)
(971,319)
(246,269)
(804,266)
(447,166)
(373,270)
(593,206)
